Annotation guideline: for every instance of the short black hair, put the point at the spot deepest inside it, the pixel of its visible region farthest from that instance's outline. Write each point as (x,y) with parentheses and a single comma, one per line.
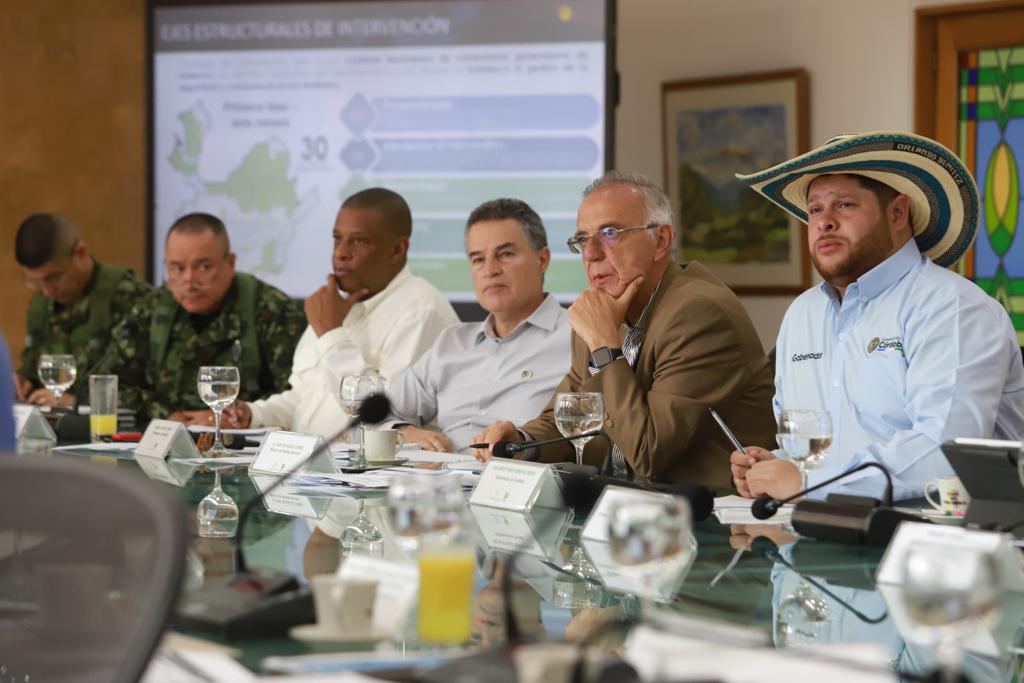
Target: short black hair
(506,208)
(44,237)
(195,223)
(394,211)
(883,193)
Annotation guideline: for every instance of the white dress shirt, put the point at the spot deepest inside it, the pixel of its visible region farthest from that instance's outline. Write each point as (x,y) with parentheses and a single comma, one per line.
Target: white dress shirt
(913,355)
(471,377)
(387,333)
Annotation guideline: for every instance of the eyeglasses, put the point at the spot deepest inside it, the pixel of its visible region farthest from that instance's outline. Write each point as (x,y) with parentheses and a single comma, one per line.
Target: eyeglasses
(606,237)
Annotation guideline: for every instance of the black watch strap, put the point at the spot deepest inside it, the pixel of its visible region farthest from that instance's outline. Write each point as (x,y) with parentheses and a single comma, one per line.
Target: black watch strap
(603,356)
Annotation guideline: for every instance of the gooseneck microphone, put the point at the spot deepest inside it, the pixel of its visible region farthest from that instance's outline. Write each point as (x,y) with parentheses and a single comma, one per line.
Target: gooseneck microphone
(507,449)
(764,508)
(581,492)
(373,410)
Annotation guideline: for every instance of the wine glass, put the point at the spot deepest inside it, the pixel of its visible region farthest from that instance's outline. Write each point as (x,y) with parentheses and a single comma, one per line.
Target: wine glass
(425,507)
(805,436)
(803,617)
(354,390)
(57,372)
(362,536)
(949,594)
(217,513)
(579,413)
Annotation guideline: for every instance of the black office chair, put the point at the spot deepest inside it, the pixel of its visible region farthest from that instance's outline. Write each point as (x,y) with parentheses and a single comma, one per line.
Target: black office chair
(91,561)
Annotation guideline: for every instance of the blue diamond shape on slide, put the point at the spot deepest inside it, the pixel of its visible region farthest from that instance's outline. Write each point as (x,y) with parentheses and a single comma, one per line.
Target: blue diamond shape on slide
(357,114)
(358,155)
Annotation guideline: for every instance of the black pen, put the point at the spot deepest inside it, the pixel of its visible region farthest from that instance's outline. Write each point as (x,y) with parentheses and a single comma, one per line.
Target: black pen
(728,432)
(479,445)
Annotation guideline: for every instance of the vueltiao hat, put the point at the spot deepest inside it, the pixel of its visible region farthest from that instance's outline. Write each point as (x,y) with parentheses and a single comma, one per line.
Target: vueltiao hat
(943,195)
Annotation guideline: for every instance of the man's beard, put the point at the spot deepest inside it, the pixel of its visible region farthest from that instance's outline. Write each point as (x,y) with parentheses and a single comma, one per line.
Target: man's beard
(862,257)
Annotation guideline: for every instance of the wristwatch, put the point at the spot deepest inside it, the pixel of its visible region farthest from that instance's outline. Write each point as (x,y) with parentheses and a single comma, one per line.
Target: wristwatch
(603,356)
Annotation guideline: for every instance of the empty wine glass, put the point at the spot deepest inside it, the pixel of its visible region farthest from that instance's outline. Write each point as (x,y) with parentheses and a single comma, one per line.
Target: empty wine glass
(354,390)
(579,413)
(803,617)
(57,372)
(949,594)
(424,507)
(805,436)
(217,513)
(362,536)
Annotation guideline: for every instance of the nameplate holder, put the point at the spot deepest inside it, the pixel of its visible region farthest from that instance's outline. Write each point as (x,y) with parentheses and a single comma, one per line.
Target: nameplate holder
(538,531)
(281,452)
(596,526)
(163,443)
(660,586)
(517,485)
(30,423)
(999,545)
(285,503)
(397,590)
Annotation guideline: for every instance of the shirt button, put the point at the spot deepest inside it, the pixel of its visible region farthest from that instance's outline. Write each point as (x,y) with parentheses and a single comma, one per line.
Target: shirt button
(835,383)
(483,412)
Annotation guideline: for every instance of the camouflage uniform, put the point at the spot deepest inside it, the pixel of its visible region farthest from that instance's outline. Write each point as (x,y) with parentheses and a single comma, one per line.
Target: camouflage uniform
(159,354)
(81,328)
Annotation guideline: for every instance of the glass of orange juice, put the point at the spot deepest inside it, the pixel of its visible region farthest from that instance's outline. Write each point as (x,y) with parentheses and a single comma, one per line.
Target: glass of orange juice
(446,592)
(102,406)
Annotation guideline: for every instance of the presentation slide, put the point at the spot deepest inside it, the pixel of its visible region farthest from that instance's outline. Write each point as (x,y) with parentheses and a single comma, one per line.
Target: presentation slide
(269,115)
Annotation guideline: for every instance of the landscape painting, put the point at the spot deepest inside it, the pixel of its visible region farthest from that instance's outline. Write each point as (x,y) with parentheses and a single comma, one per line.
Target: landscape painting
(714,129)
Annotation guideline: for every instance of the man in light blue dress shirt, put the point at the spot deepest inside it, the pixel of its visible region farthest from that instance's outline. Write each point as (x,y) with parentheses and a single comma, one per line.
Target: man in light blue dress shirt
(903,353)
(508,365)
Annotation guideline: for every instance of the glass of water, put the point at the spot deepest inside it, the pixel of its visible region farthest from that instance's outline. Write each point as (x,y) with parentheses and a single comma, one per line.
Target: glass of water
(354,390)
(425,508)
(362,536)
(57,372)
(579,413)
(949,594)
(217,513)
(805,436)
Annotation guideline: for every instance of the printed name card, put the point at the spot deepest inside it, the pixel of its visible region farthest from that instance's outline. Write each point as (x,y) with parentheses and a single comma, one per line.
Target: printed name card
(660,585)
(536,532)
(596,526)
(164,442)
(30,423)
(283,451)
(1007,558)
(517,485)
(397,589)
(287,503)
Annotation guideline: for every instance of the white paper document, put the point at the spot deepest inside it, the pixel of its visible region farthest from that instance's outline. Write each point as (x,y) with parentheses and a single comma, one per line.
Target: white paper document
(736,510)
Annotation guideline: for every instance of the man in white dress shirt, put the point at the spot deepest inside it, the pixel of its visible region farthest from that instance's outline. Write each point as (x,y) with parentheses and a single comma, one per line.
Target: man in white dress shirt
(372,314)
(506,366)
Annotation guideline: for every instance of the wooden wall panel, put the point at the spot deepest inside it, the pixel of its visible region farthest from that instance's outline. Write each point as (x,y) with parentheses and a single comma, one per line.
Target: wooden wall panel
(72,131)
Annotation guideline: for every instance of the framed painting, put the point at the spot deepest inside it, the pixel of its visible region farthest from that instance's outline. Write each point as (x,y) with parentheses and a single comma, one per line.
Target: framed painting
(714,128)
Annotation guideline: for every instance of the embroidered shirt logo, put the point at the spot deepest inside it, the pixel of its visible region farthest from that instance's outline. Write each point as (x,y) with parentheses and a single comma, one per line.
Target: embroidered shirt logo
(882,345)
(797,357)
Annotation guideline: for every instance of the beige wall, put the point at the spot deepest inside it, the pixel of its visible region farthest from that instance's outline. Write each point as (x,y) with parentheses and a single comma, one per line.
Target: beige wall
(72,88)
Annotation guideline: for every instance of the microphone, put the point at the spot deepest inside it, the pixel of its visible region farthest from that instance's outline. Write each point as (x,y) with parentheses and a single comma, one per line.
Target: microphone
(581,492)
(764,508)
(507,449)
(251,603)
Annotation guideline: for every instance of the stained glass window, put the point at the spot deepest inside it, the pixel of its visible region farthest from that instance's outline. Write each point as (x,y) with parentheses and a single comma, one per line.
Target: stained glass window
(991,144)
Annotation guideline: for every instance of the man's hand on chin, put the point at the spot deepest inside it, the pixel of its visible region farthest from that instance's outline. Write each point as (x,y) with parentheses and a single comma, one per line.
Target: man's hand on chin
(596,317)
(776,478)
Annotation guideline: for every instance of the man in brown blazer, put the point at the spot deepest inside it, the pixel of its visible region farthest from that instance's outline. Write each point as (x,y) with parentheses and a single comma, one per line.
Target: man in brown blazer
(661,342)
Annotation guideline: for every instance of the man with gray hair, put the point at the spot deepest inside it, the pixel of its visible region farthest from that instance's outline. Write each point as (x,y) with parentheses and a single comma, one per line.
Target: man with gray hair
(661,342)
(509,364)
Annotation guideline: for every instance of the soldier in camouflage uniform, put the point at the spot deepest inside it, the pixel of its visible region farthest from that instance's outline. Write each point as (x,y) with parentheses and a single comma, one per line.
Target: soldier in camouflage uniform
(78,300)
(207,314)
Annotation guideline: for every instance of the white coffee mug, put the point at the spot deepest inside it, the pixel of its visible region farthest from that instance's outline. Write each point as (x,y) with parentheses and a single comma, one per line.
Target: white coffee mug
(952,496)
(382,444)
(343,605)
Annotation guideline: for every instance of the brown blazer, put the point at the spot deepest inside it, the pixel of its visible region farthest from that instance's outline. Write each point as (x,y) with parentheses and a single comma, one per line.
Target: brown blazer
(700,350)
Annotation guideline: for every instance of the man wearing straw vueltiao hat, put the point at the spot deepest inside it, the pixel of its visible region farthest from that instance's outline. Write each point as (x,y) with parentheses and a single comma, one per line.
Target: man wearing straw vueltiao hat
(903,353)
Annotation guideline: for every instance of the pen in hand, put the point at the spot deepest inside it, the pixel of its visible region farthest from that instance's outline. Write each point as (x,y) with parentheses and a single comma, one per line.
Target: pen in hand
(728,432)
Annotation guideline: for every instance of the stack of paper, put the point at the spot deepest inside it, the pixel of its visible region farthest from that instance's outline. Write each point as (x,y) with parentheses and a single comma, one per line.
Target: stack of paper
(736,510)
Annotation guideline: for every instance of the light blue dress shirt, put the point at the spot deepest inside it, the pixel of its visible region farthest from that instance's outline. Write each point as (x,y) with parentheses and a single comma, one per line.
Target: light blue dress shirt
(471,377)
(912,356)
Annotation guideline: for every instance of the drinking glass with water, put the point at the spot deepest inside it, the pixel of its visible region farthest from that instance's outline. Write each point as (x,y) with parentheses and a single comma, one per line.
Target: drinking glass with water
(576,413)
(217,513)
(57,372)
(805,436)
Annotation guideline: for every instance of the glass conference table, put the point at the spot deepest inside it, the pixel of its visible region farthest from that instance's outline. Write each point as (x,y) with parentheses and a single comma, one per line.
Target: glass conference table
(791,591)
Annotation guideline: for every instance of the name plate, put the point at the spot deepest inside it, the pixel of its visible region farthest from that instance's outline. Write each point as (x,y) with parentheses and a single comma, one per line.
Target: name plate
(536,532)
(164,442)
(30,423)
(661,585)
(397,590)
(596,526)
(1007,558)
(283,451)
(517,485)
(286,503)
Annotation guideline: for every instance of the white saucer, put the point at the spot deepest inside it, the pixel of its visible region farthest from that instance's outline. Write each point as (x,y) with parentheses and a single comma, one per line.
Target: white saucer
(941,517)
(316,632)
